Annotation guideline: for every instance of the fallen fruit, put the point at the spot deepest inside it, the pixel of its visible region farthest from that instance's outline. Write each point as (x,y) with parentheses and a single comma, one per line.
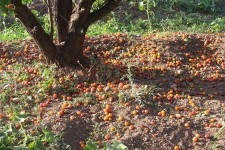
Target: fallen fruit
(126,123)
(176,148)
(32,132)
(218,125)
(197,135)
(187,124)
(112,129)
(207,136)
(1,115)
(178,116)
(72,118)
(223,105)
(107,137)
(10,115)
(194,139)
(131,127)
(212,120)
(10,6)
(145,111)
(120,118)
(78,113)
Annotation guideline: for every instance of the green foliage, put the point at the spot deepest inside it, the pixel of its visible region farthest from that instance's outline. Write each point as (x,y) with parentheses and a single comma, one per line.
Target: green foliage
(185,5)
(43,19)
(13,138)
(4,10)
(162,15)
(17,31)
(3,7)
(147,4)
(36,145)
(14,32)
(113,24)
(97,4)
(195,5)
(47,75)
(91,145)
(115,146)
(218,24)
(48,136)
(15,132)
(18,117)
(27,2)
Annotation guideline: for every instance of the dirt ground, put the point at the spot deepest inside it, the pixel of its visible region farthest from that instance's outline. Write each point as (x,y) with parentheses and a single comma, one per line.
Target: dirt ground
(187,72)
(149,92)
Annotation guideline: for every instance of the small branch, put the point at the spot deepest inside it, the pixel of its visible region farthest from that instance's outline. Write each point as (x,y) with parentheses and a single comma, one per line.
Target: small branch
(51,19)
(103,11)
(49,5)
(85,7)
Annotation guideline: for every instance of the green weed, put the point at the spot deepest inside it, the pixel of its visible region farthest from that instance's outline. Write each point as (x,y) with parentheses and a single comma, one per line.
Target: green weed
(15,32)
(14,135)
(161,16)
(91,145)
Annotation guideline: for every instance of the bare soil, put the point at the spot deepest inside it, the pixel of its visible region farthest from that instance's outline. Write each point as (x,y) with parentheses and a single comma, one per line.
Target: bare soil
(187,74)
(152,131)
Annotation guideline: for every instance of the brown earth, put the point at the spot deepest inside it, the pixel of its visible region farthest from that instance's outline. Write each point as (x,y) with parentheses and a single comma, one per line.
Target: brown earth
(185,71)
(198,93)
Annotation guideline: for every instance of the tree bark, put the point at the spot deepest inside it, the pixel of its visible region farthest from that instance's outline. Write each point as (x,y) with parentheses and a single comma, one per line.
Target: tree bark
(72,51)
(34,28)
(62,13)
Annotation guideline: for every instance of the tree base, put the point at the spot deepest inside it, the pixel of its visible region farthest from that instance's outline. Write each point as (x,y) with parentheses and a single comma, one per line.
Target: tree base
(85,61)
(82,62)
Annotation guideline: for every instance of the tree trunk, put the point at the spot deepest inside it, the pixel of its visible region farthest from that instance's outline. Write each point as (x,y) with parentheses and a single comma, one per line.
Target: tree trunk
(72,51)
(73,48)
(62,11)
(80,20)
(71,24)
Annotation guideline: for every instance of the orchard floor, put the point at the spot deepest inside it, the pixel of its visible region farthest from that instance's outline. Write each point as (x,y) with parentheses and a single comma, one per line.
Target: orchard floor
(148,92)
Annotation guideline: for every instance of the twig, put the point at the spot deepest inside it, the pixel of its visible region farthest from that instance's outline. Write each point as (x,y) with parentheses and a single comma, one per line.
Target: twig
(49,5)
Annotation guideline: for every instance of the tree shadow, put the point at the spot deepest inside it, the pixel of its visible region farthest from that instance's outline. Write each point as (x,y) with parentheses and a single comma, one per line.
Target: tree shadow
(184,56)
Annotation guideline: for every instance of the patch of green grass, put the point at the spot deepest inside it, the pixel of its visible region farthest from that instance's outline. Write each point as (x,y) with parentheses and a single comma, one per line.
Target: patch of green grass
(91,145)
(188,22)
(164,17)
(17,31)
(113,24)
(17,132)
(28,139)
(160,22)
(14,32)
